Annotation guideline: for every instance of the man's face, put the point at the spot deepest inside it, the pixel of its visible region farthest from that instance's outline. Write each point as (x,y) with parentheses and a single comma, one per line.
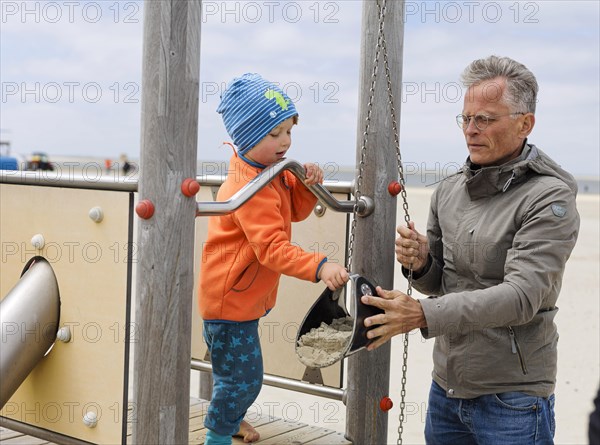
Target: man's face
(502,139)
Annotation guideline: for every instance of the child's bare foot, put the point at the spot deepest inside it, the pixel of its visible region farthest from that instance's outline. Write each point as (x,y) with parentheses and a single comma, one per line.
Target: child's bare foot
(248,432)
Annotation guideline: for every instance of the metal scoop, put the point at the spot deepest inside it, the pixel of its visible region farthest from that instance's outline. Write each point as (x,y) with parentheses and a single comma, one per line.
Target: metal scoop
(331,305)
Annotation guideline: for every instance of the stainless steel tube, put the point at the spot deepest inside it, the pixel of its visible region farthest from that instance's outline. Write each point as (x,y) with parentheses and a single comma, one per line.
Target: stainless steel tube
(68,180)
(29,316)
(204,208)
(125,184)
(365,206)
(40,433)
(281,382)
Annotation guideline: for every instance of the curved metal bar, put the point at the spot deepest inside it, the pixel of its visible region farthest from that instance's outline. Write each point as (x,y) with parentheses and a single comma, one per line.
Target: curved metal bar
(365,206)
(71,179)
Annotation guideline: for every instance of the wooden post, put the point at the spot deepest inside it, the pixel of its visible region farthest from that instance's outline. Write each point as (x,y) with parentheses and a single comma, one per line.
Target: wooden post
(374,258)
(165,242)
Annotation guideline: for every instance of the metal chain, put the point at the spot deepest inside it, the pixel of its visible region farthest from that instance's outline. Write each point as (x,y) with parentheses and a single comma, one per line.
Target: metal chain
(406,214)
(363,148)
(381,5)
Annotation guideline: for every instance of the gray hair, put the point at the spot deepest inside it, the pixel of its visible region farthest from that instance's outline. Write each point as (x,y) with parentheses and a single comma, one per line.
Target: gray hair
(521,86)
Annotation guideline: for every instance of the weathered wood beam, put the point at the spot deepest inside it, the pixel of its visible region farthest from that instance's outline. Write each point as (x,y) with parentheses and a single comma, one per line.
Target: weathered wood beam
(165,242)
(369,372)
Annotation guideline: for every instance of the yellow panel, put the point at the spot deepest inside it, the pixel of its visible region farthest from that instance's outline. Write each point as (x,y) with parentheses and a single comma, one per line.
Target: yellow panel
(326,234)
(90,263)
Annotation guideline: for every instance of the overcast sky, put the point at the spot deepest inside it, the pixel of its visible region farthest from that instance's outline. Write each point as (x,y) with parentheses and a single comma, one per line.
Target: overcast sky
(71,74)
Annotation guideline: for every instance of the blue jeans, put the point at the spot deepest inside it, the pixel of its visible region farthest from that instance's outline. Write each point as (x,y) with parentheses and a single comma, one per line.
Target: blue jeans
(511,418)
(237,364)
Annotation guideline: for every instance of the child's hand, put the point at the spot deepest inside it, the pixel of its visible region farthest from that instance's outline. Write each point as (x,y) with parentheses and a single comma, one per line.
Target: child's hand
(314,174)
(333,275)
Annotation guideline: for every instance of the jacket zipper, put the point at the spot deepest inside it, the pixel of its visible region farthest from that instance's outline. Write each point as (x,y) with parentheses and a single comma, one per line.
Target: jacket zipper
(516,349)
(471,246)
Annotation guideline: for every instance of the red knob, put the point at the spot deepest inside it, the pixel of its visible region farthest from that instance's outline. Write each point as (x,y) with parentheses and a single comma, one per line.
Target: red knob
(386,404)
(145,209)
(394,188)
(189,187)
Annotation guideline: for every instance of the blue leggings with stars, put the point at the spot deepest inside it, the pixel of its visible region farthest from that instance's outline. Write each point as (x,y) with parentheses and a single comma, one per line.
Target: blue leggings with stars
(237,373)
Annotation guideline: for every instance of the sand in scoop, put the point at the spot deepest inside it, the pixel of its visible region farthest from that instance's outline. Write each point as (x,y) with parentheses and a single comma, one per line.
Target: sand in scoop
(323,346)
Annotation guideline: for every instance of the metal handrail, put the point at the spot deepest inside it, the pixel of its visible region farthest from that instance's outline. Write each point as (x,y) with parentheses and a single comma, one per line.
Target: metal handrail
(203,208)
(286,383)
(68,180)
(206,208)
(121,183)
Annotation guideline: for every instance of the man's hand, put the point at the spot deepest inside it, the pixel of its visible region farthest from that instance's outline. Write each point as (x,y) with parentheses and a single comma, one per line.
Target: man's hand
(412,248)
(402,314)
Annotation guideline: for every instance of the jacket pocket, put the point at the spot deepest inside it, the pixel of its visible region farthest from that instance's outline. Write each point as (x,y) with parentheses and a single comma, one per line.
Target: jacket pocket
(246,278)
(516,349)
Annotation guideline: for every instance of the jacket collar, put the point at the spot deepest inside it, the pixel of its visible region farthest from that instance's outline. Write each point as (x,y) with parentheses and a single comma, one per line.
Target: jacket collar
(251,162)
(483,182)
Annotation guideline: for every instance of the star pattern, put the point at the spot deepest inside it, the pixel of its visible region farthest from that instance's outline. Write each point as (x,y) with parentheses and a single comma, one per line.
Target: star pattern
(237,371)
(235,342)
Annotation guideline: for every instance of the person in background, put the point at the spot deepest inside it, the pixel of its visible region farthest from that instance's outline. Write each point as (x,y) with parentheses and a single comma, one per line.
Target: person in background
(247,251)
(125,165)
(498,237)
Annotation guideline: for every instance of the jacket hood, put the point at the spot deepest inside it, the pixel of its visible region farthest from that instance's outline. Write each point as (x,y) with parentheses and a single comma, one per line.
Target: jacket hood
(487,181)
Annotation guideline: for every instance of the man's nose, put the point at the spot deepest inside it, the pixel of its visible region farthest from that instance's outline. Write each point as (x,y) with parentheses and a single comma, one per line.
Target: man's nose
(471,128)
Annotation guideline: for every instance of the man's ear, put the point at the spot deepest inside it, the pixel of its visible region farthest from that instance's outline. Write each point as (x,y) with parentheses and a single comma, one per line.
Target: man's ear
(527,124)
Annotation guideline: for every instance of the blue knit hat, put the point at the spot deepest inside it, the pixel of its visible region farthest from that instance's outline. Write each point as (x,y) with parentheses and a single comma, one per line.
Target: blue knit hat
(251,107)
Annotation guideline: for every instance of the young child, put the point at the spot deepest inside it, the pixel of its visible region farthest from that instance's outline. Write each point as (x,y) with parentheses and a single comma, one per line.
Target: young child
(247,251)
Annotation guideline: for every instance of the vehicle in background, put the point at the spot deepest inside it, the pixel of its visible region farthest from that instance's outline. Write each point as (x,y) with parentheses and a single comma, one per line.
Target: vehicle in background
(7,162)
(39,161)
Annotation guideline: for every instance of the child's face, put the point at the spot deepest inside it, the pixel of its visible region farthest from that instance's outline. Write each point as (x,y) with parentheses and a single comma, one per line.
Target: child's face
(273,146)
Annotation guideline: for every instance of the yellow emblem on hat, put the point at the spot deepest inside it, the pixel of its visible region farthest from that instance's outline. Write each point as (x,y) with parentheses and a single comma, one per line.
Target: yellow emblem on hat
(272,94)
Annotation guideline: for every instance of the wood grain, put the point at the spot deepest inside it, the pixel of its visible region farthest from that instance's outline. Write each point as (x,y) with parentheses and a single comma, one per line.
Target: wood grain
(170,83)
(368,372)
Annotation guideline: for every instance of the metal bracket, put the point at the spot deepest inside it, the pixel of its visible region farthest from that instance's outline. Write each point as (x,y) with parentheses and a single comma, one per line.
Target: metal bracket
(366,206)
(313,375)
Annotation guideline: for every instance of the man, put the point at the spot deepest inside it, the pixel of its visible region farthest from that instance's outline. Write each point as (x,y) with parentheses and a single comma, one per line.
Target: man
(498,237)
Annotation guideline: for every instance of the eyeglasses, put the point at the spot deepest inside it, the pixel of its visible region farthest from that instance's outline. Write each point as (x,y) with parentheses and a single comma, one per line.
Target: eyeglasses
(481,121)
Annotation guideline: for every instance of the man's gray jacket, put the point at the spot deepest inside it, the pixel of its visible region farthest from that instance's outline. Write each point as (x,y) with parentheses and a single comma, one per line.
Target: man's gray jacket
(499,239)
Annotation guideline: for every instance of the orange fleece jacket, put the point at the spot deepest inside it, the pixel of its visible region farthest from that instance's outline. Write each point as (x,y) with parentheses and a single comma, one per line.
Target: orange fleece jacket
(247,251)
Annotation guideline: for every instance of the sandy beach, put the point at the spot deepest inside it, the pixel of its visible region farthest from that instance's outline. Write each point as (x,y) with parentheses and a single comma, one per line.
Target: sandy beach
(578,361)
